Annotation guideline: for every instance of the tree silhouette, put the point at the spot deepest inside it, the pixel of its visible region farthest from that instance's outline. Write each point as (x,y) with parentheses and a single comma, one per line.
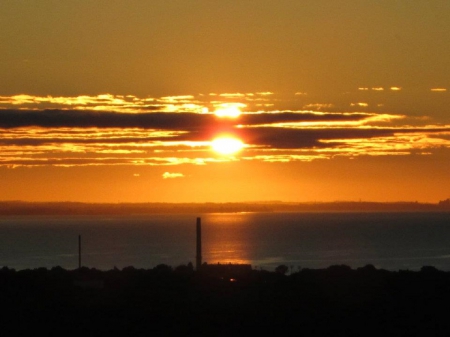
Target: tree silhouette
(282,269)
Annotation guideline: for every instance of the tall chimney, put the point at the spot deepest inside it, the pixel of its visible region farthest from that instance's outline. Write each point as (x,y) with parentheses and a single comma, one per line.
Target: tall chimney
(198,262)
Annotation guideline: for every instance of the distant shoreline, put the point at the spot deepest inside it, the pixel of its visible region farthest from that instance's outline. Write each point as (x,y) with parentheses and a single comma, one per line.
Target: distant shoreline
(11,208)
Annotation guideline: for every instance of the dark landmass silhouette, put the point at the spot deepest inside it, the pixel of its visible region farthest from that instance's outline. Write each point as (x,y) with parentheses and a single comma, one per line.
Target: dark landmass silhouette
(78,208)
(166,301)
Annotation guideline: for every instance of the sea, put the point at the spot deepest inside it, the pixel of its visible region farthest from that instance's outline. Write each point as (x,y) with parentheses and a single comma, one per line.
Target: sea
(392,241)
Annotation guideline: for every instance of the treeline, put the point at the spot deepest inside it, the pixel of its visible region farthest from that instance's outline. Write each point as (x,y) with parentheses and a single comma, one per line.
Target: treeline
(166,301)
(76,208)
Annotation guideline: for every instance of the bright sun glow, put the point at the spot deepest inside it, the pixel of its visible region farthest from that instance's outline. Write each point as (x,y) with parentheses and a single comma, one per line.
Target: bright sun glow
(226,145)
(231,111)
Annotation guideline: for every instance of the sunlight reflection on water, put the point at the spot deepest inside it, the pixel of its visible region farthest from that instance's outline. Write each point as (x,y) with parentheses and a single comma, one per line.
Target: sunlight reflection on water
(308,240)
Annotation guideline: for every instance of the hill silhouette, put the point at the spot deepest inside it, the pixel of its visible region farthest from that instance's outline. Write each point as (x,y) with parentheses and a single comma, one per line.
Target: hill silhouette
(78,208)
(166,301)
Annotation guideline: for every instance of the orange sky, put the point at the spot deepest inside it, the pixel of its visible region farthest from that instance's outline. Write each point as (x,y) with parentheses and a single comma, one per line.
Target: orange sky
(111,101)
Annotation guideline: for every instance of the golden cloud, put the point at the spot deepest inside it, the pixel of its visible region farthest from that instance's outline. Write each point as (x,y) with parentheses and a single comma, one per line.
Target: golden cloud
(167,175)
(176,130)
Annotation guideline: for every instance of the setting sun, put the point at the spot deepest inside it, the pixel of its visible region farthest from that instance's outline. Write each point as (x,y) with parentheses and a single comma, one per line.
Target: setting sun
(230,111)
(226,145)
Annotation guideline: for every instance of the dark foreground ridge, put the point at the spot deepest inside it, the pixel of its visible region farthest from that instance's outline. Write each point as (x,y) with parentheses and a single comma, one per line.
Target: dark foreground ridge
(79,208)
(224,301)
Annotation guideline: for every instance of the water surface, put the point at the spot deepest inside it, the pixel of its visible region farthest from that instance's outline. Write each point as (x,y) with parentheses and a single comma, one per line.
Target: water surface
(300,240)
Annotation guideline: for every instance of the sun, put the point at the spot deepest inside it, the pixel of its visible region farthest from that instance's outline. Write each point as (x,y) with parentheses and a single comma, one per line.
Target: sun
(228,111)
(226,145)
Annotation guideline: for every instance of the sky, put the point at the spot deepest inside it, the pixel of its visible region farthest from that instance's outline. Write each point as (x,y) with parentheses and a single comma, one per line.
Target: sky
(224,101)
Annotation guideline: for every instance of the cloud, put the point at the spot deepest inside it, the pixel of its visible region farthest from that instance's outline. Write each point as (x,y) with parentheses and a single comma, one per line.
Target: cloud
(167,175)
(318,106)
(282,138)
(401,143)
(103,119)
(233,95)
(91,137)
(263,143)
(154,120)
(106,102)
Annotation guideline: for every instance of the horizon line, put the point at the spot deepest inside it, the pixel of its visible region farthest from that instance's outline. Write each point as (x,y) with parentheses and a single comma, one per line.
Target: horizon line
(227,202)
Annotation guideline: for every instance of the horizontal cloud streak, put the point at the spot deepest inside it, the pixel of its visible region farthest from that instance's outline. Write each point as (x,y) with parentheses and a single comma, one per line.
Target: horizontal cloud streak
(168,175)
(68,118)
(62,137)
(157,120)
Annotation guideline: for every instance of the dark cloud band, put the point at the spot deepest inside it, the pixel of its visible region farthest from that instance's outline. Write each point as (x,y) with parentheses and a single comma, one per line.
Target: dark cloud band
(153,120)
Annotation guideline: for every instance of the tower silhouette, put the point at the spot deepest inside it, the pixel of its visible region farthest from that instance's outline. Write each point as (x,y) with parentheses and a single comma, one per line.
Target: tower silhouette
(198,258)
